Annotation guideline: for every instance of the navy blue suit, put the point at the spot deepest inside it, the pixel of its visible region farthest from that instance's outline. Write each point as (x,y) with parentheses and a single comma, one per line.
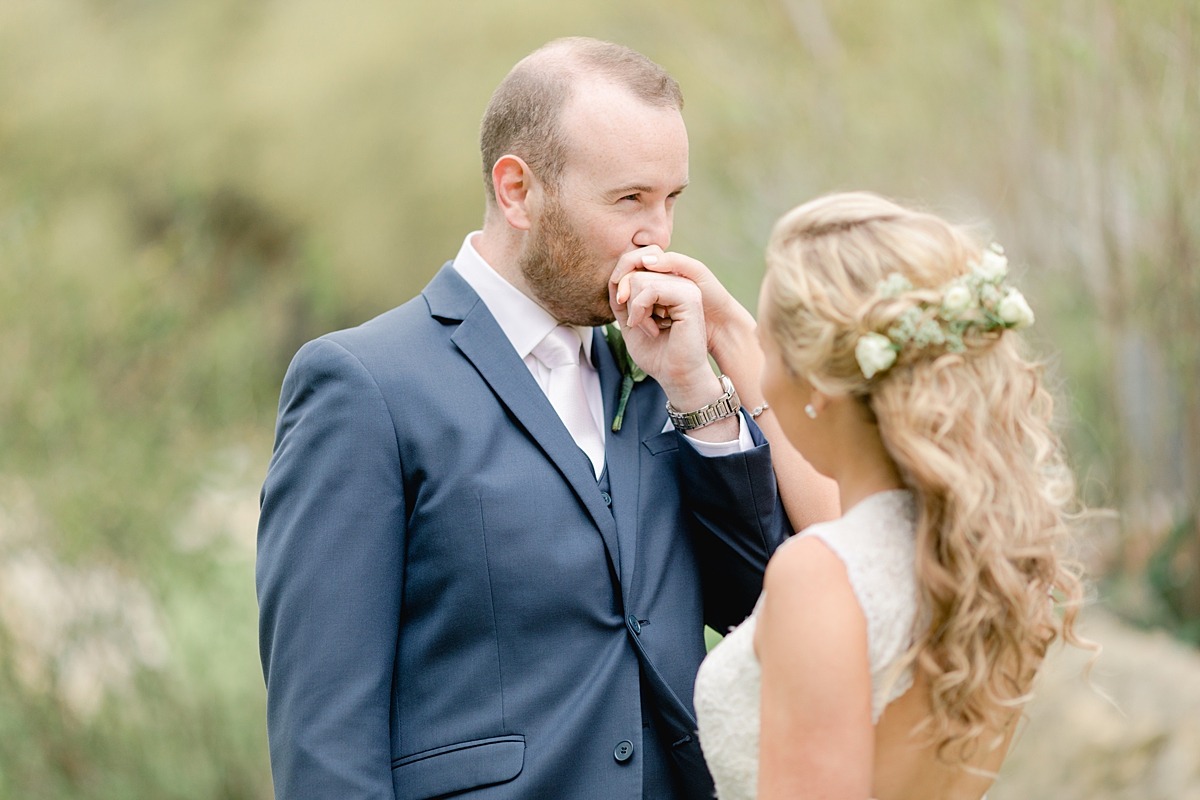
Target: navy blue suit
(452,604)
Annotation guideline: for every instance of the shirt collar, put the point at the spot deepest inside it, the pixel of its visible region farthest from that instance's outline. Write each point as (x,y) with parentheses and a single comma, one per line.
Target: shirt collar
(523,321)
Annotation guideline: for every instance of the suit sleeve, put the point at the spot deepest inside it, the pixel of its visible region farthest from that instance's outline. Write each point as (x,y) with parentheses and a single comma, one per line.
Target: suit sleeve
(329,580)
(739,521)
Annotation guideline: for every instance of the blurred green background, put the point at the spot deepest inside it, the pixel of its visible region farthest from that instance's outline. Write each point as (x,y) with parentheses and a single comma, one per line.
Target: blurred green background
(190,189)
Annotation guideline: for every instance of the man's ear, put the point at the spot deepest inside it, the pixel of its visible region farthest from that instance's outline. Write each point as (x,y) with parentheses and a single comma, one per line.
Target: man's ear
(517,191)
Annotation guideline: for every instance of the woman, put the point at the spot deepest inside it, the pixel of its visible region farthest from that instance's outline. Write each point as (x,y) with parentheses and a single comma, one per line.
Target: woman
(893,649)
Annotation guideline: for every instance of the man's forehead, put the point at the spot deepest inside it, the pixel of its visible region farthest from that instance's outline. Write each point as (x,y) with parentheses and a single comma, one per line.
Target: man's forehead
(610,131)
(596,100)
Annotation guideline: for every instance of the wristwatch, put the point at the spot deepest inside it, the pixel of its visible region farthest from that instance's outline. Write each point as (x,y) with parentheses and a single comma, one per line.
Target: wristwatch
(726,405)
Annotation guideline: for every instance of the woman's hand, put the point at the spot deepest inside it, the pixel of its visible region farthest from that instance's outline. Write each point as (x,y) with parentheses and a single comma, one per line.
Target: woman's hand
(730,327)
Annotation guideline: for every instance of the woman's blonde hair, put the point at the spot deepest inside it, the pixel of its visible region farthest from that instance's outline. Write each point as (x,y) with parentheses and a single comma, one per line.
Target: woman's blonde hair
(971,435)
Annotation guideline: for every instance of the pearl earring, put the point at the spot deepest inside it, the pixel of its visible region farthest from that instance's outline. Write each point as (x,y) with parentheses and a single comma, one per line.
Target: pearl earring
(812,412)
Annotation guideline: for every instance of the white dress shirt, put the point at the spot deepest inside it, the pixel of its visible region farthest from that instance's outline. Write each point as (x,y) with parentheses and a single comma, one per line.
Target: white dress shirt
(526,323)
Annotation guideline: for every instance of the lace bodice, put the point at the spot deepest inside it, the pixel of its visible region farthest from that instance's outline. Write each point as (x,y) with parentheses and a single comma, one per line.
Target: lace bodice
(876,542)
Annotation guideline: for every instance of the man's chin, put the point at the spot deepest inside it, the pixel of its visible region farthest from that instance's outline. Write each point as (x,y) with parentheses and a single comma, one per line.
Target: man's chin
(583,321)
(602,318)
(574,314)
(601,315)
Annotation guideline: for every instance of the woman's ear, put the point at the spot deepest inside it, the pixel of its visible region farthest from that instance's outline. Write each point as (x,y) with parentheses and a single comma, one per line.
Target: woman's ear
(818,400)
(517,189)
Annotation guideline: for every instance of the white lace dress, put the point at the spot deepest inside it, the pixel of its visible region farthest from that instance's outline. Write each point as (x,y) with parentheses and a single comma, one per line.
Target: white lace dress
(876,542)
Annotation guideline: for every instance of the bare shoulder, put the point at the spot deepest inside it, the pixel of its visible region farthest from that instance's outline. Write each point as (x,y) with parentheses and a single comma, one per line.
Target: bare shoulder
(805,569)
(808,593)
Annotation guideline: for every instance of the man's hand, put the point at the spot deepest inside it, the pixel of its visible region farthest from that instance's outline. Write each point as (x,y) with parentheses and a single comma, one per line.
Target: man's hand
(675,355)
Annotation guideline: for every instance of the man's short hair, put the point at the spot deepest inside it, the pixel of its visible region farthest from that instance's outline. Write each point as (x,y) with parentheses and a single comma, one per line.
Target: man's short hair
(522,118)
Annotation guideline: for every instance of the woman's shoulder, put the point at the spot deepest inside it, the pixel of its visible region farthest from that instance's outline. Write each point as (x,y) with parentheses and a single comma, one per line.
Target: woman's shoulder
(803,560)
(877,534)
(872,547)
(808,574)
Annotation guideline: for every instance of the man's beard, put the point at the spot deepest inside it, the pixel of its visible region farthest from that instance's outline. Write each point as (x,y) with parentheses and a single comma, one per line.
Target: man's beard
(559,268)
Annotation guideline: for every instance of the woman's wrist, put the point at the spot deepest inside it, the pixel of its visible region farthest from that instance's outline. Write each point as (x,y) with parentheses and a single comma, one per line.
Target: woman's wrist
(734,342)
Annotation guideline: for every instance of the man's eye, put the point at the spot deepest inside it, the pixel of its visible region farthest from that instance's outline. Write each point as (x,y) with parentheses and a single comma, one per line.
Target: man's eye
(630,197)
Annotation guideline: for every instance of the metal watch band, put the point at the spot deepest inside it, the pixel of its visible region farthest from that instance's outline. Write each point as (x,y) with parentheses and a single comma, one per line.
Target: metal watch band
(725,406)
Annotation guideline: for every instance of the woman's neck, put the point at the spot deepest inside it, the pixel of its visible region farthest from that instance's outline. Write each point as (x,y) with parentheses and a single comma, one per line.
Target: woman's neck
(856,487)
(865,470)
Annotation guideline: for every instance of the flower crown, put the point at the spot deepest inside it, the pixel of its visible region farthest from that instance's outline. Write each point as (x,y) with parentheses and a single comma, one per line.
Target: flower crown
(980,300)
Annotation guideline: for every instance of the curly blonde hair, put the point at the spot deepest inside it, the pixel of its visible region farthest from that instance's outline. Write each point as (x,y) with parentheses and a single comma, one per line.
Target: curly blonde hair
(971,435)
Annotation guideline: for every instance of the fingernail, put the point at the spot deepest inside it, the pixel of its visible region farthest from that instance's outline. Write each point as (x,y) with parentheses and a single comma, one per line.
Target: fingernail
(648,260)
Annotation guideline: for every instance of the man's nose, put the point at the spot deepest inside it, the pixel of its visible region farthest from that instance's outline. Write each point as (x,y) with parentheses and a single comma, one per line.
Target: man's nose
(655,229)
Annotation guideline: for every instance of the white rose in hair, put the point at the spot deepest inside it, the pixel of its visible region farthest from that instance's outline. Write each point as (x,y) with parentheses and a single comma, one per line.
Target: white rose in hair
(1015,311)
(874,353)
(994,265)
(957,300)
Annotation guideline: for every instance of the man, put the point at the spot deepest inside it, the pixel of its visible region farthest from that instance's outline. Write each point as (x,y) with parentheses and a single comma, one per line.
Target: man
(468,582)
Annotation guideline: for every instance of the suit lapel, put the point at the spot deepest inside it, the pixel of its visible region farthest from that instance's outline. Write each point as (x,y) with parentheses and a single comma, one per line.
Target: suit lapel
(621,454)
(484,344)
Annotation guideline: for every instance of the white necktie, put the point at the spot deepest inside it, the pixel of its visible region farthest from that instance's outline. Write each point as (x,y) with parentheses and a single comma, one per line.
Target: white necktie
(559,352)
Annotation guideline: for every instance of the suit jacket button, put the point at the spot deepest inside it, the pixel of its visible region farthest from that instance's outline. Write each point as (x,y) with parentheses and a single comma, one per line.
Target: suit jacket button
(624,751)
(634,625)
(607,498)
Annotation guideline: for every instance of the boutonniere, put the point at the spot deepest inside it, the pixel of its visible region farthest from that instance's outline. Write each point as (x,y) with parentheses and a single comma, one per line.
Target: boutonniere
(631,373)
